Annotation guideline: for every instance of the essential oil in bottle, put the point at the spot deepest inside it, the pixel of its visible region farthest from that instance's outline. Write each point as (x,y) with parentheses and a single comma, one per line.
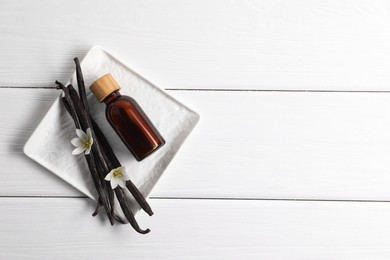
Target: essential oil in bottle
(127,118)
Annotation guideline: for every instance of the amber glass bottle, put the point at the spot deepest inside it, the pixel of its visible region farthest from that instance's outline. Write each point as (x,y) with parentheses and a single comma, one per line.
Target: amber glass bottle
(127,118)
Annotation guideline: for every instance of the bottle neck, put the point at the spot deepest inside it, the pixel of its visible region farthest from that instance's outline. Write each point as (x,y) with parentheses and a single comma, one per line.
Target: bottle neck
(114,95)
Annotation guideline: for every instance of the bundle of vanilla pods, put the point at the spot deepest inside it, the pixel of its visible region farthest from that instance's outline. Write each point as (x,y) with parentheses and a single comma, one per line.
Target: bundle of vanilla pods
(101,159)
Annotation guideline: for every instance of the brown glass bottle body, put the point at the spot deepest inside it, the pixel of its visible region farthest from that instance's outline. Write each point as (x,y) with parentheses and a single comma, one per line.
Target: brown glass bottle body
(132,125)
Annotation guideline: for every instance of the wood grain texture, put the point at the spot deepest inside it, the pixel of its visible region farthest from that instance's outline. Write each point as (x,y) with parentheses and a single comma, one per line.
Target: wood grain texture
(217,44)
(197,229)
(247,145)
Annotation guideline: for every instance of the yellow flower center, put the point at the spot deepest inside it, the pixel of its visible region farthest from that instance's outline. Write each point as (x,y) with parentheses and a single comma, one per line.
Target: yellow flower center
(87,143)
(117,173)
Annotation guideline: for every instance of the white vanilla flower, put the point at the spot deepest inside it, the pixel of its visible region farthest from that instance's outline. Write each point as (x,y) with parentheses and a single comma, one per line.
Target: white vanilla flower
(117,177)
(83,142)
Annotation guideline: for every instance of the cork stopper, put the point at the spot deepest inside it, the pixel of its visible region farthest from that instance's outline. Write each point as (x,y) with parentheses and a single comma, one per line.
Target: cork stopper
(104,86)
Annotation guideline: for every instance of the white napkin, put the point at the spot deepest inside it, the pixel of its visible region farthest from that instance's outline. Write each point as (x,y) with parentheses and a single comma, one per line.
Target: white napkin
(50,145)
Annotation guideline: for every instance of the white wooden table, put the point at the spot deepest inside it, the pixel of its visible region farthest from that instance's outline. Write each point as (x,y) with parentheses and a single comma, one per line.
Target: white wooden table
(291,158)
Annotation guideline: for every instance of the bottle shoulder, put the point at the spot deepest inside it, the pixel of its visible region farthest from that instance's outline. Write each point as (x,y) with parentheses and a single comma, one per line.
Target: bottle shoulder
(121,102)
(122,98)
(126,98)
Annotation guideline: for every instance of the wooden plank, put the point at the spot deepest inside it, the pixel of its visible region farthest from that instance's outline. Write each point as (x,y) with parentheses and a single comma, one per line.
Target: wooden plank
(62,228)
(247,145)
(21,111)
(267,44)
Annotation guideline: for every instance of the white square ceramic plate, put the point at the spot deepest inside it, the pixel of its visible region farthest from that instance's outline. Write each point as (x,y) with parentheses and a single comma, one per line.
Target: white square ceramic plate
(50,145)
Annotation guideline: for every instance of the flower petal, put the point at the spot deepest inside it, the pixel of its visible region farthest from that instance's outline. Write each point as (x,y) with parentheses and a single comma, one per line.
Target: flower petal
(78,150)
(88,150)
(122,169)
(121,183)
(114,183)
(108,176)
(89,133)
(77,142)
(112,171)
(80,133)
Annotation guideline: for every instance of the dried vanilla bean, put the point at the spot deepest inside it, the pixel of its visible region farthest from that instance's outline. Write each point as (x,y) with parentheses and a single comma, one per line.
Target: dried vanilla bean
(126,210)
(139,197)
(114,215)
(102,159)
(69,105)
(86,120)
(81,85)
